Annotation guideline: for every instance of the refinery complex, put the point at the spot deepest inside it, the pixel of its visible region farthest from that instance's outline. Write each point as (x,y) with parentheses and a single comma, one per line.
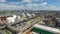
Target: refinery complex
(30,22)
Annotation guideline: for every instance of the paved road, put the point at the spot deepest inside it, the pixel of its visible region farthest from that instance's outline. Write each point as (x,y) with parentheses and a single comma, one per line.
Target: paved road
(28,30)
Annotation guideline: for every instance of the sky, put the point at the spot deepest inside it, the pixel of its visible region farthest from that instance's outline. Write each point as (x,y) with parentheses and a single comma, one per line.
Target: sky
(30,4)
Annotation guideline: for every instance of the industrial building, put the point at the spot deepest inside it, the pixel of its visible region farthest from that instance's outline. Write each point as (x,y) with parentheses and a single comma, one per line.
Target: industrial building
(29,23)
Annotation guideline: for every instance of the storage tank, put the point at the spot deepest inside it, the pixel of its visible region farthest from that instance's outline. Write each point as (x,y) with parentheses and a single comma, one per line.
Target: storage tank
(29,15)
(14,16)
(11,20)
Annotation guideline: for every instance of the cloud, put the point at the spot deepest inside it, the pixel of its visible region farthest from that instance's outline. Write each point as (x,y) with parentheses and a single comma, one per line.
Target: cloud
(50,7)
(53,8)
(2,0)
(42,6)
(28,6)
(30,0)
(44,3)
(37,5)
(31,5)
(42,0)
(11,7)
(14,3)
(26,0)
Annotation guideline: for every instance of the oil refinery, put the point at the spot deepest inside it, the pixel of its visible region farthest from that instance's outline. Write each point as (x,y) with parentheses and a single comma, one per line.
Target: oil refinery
(30,23)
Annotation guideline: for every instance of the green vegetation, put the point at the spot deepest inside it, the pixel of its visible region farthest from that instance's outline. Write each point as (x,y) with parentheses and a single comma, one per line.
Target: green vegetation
(6,31)
(0,12)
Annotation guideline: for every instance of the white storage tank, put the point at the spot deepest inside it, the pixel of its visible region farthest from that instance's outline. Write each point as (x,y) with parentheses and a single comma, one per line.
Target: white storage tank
(29,15)
(14,16)
(23,14)
(33,15)
(11,20)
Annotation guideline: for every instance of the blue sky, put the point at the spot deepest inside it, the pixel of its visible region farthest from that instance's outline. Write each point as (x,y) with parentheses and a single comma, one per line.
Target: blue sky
(30,4)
